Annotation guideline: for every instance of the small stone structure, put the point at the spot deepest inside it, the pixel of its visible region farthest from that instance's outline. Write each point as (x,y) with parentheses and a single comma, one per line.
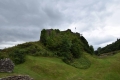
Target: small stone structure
(49,31)
(19,77)
(6,65)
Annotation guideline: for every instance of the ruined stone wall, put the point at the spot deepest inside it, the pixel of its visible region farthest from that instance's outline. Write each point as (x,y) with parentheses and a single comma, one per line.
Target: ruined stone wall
(6,65)
(19,77)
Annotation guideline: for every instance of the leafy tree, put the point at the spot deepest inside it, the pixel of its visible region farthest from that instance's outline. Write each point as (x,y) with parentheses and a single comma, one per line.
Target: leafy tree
(92,49)
(99,50)
(18,56)
(68,57)
(66,44)
(110,47)
(76,49)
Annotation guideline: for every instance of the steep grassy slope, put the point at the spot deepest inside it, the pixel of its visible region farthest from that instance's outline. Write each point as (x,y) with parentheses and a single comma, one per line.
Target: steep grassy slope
(49,68)
(67,45)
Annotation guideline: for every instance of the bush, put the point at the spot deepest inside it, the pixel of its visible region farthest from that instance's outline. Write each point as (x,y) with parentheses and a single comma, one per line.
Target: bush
(76,49)
(68,57)
(18,56)
(3,55)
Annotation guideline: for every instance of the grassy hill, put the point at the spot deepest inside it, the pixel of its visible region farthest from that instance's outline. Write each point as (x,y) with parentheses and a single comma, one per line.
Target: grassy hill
(67,45)
(46,59)
(51,68)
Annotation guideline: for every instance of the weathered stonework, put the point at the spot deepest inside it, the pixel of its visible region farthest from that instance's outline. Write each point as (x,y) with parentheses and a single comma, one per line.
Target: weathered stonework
(6,65)
(19,77)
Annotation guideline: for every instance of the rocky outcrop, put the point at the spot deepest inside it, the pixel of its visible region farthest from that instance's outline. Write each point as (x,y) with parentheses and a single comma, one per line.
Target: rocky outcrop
(19,77)
(6,65)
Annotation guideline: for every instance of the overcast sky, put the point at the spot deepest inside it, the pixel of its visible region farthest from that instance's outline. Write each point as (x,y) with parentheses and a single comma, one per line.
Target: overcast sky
(22,20)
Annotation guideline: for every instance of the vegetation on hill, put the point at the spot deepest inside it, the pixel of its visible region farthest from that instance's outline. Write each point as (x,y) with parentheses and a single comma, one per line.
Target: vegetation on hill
(115,46)
(18,53)
(66,45)
(43,60)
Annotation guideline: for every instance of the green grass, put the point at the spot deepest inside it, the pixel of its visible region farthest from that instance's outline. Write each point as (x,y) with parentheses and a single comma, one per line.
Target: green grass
(81,63)
(50,68)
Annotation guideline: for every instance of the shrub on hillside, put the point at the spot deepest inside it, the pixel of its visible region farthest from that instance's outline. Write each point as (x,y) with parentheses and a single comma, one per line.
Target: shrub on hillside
(18,56)
(76,49)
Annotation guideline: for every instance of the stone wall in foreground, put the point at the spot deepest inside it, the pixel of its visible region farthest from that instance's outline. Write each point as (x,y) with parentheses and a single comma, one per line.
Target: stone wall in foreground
(19,77)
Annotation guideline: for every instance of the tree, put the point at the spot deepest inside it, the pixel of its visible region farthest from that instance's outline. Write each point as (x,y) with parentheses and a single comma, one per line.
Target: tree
(76,49)
(92,49)
(99,50)
(18,56)
(65,49)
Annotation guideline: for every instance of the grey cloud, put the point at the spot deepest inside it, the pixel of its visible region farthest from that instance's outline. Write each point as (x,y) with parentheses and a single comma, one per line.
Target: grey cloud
(22,20)
(101,41)
(26,13)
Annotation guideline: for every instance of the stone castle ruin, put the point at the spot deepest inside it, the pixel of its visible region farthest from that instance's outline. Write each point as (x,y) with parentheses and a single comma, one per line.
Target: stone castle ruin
(6,65)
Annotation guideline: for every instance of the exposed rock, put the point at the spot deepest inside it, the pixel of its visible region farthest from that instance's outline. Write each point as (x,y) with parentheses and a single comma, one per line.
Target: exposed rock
(19,77)
(6,65)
